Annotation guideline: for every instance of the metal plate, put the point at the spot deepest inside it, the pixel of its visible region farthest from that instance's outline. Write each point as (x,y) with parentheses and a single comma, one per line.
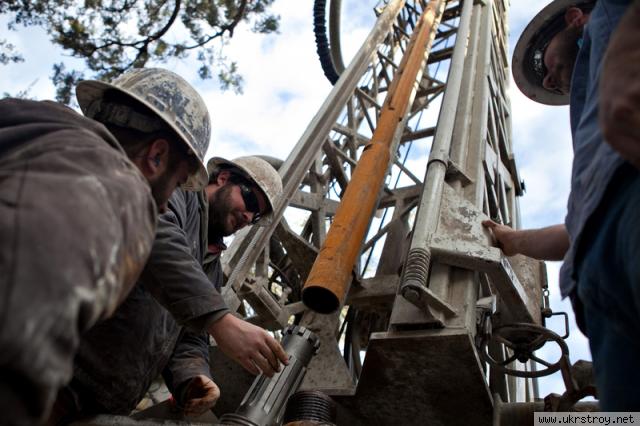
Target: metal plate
(429,377)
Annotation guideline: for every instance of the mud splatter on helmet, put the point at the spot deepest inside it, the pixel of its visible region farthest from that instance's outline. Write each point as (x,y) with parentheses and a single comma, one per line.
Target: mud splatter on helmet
(175,102)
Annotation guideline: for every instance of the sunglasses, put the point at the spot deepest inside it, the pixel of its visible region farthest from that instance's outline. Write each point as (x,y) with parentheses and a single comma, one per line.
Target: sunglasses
(251,202)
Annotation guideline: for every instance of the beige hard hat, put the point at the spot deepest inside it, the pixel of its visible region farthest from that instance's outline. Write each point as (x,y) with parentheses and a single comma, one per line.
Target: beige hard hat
(257,170)
(528,56)
(175,102)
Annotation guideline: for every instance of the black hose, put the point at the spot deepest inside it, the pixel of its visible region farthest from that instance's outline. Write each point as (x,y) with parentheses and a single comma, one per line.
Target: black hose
(322,43)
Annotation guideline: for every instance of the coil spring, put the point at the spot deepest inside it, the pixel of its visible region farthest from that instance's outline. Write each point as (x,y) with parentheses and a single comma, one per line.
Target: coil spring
(416,268)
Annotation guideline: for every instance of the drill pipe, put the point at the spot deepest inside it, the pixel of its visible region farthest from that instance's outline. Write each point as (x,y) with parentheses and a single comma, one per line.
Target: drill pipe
(264,404)
(328,282)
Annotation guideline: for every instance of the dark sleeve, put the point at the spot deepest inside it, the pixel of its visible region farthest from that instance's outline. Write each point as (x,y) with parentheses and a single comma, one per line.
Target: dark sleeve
(190,358)
(174,276)
(620,2)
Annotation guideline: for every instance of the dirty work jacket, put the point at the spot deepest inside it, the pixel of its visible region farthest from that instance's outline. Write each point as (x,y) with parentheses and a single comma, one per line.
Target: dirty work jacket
(120,357)
(77,221)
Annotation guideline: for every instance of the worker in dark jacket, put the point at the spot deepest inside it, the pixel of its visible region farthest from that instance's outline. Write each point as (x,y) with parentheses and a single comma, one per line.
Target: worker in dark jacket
(120,357)
(77,217)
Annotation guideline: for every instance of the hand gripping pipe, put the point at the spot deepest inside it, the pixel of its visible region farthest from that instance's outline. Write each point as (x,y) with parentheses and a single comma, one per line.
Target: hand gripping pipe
(265,402)
(329,278)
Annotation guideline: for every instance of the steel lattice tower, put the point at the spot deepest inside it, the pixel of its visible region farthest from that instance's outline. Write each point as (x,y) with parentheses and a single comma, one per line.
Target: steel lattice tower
(379,230)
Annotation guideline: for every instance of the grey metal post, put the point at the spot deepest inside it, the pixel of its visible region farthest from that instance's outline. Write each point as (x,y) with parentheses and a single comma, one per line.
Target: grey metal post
(418,260)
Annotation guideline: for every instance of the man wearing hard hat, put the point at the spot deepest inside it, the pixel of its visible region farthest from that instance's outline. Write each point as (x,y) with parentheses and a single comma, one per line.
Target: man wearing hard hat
(78,204)
(119,358)
(558,60)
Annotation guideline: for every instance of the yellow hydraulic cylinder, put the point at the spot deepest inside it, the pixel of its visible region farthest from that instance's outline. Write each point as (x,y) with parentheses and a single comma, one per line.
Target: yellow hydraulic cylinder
(328,282)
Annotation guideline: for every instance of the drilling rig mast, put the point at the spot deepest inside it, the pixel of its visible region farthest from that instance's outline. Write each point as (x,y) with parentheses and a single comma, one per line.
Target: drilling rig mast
(377,245)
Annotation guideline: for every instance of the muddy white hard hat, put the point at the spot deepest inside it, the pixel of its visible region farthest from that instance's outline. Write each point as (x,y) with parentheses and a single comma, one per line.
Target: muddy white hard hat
(528,56)
(257,170)
(170,97)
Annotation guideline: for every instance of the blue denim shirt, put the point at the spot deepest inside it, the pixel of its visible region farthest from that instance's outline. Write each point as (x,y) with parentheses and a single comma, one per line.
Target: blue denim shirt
(594,161)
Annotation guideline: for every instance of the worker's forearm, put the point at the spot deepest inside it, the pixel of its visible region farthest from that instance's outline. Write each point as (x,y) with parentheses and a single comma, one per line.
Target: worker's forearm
(550,243)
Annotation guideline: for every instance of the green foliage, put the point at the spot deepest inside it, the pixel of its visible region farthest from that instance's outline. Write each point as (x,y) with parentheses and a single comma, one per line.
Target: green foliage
(230,79)
(65,81)
(112,36)
(7,53)
(266,24)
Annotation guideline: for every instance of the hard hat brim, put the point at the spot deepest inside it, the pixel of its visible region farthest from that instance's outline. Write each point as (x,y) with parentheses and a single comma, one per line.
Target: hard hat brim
(525,65)
(90,91)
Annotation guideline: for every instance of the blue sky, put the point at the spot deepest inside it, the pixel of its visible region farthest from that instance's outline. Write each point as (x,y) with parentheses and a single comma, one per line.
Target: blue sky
(284,87)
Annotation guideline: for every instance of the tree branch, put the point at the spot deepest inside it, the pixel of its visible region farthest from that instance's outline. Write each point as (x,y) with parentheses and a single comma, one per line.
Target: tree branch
(229,27)
(146,41)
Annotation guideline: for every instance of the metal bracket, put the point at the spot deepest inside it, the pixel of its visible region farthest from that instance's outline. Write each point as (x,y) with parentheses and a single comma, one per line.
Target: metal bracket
(485,308)
(272,314)
(424,299)
(455,172)
(460,240)
(579,382)
(548,314)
